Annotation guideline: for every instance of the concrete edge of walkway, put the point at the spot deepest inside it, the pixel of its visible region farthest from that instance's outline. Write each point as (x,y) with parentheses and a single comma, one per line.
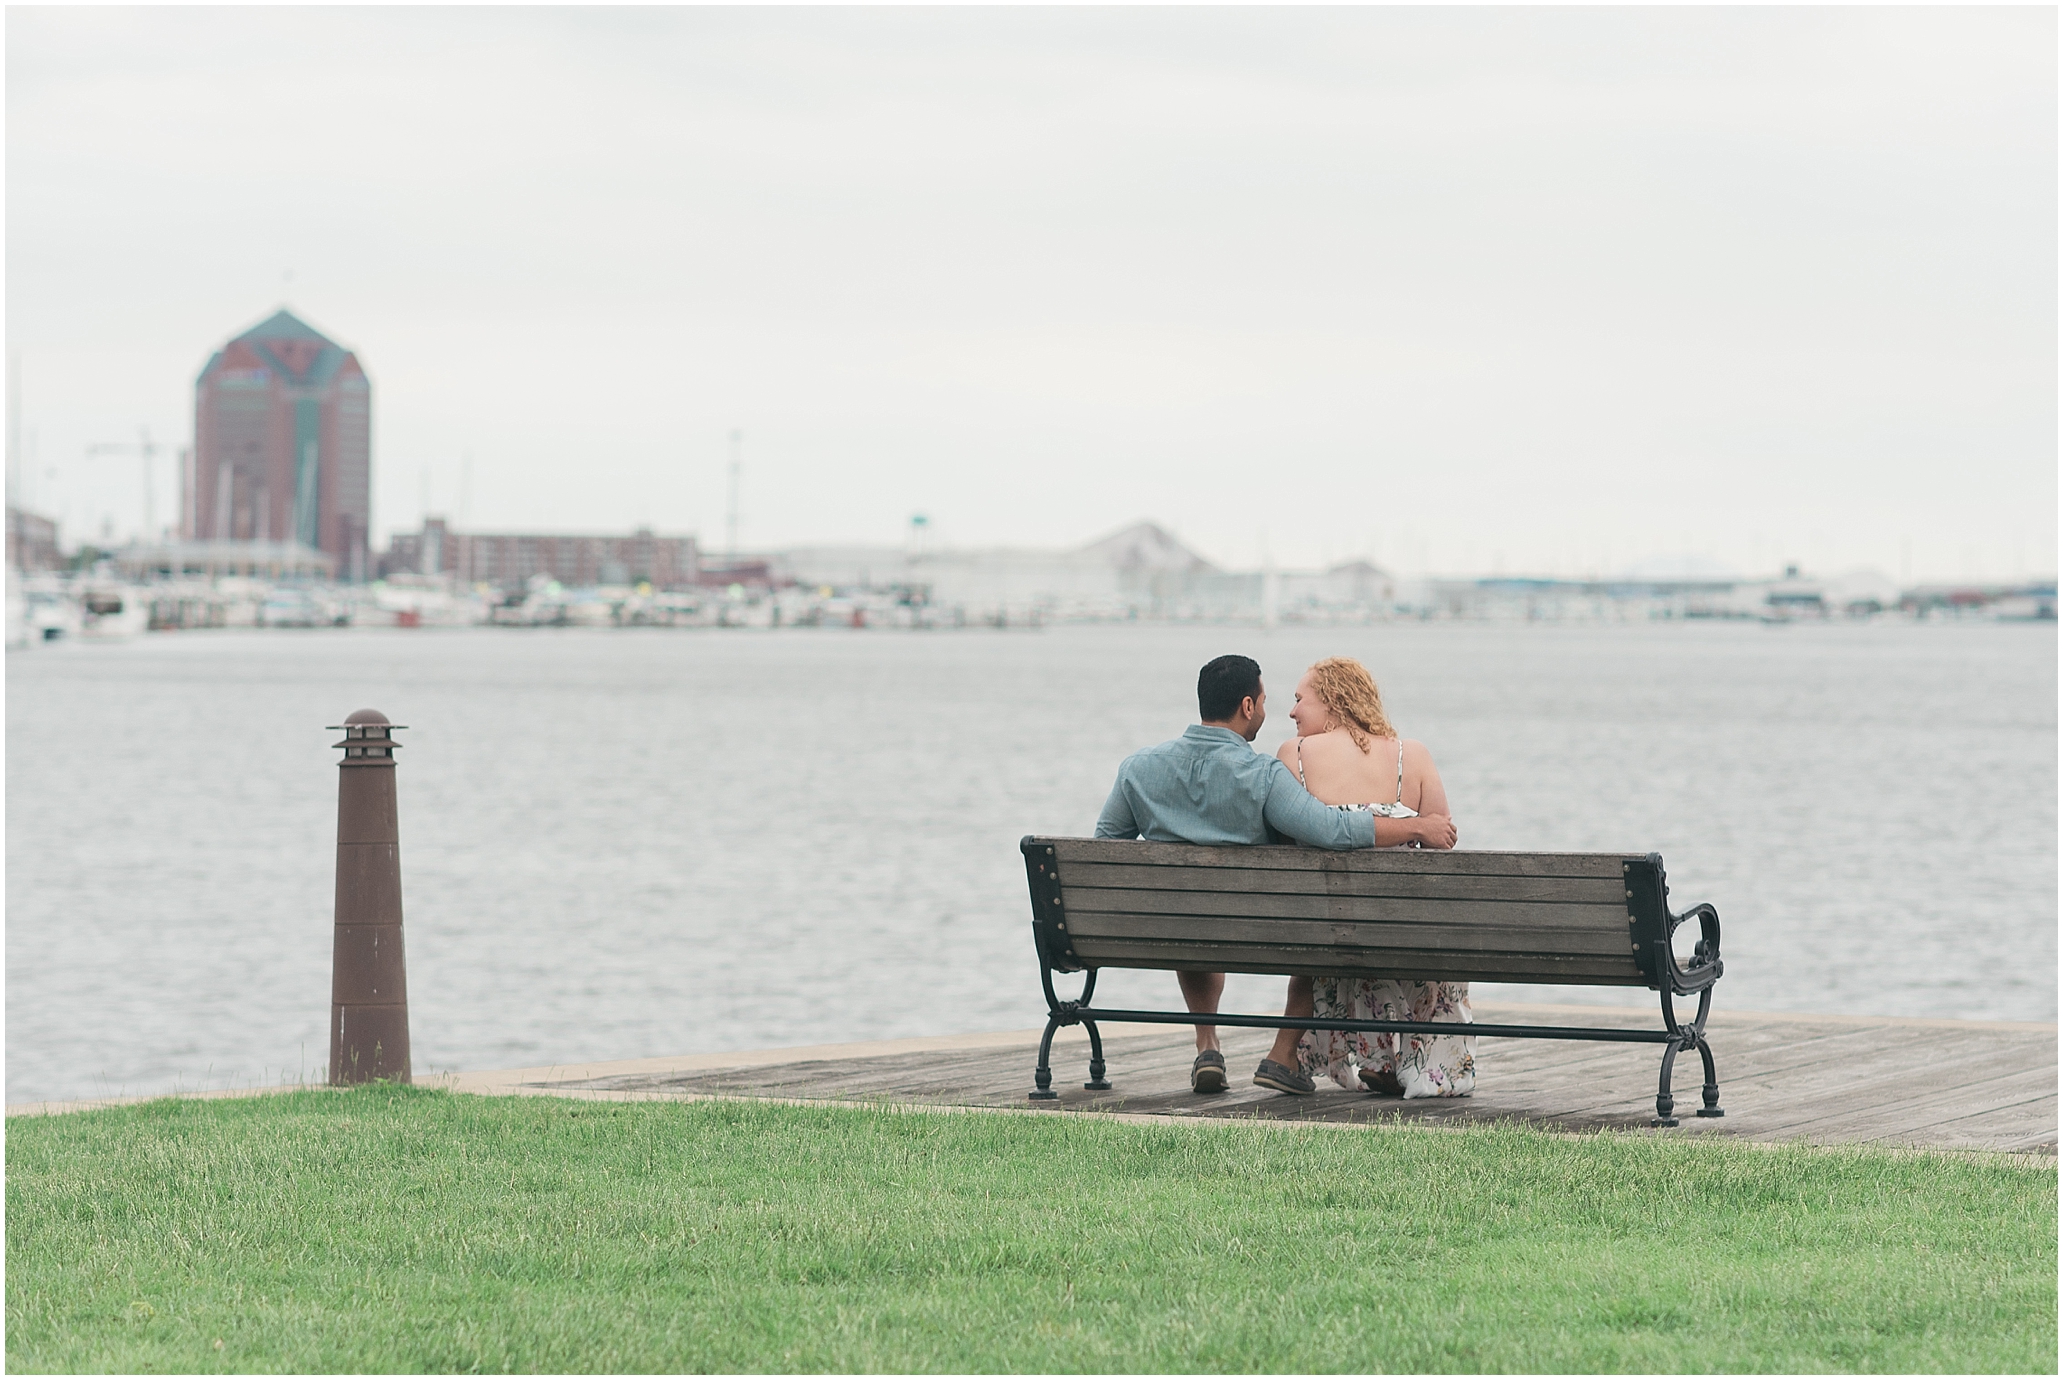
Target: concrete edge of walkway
(1270,1125)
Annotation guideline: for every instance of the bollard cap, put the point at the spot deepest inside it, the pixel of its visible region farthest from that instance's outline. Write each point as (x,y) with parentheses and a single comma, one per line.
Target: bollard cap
(367,738)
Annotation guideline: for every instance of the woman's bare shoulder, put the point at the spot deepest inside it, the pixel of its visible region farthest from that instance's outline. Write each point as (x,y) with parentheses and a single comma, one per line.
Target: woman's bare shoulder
(1335,743)
(1287,753)
(1417,753)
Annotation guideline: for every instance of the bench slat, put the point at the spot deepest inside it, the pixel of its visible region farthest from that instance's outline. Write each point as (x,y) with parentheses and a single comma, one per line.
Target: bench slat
(1312,959)
(1460,862)
(1472,938)
(1545,914)
(1283,881)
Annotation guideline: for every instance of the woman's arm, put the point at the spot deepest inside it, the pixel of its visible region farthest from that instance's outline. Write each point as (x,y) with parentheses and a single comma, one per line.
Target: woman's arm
(1432,793)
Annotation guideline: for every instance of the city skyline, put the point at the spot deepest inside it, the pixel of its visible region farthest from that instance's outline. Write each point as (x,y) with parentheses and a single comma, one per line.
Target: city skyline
(1457,291)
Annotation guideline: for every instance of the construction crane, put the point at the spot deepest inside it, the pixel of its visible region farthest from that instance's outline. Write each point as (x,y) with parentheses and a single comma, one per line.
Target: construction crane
(731,508)
(148,450)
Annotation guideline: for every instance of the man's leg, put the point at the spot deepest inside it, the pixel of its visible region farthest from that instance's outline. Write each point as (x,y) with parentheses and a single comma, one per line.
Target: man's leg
(1285,1076)
(1201,992)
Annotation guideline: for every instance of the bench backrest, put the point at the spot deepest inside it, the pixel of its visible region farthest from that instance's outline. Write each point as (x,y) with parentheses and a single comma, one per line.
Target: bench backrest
(1581,918)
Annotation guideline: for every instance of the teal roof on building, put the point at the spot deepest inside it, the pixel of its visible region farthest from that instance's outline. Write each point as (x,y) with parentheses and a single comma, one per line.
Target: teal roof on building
(284,325)
(283,328)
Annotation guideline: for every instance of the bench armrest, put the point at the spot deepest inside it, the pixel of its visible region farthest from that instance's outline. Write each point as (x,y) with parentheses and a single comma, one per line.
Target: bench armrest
(1653,925)
(1705,966)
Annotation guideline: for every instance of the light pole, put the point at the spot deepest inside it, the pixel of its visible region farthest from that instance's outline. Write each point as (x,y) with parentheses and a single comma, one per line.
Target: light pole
(731,508)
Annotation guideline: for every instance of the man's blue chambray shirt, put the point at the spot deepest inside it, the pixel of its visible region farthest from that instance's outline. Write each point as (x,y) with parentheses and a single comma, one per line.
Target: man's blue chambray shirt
(1210,786)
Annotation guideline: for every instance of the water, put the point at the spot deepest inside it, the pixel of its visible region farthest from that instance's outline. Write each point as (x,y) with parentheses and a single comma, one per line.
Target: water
(622,844)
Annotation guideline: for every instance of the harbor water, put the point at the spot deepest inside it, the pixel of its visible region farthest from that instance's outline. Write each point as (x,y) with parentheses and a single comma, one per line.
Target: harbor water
(643,842)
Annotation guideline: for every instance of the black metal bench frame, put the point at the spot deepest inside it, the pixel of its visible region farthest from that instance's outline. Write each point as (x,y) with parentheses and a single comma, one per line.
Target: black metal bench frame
(1652,924)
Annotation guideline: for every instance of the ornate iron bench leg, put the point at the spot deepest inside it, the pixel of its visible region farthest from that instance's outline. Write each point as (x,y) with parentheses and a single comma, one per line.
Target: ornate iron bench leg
(1711,1107)
(1665,1105)
(1043,1075)
(1096,1081)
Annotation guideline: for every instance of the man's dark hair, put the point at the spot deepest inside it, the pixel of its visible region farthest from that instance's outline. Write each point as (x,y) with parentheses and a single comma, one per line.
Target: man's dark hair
(1223,683)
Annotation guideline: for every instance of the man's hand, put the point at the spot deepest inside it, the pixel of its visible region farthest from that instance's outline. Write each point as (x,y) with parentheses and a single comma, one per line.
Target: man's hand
(1434,831)
(1426,831)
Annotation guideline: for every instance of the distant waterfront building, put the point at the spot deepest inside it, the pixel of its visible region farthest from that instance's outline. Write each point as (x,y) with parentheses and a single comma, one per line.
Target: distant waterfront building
(283,445)
(32,542)
(751,572)
(1141,570)
(428,552)
(209,560)
(511,559)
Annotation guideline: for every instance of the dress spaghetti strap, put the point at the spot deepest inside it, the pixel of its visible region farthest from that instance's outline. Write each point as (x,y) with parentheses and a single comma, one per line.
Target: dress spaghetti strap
(1400,769)
(1300,763)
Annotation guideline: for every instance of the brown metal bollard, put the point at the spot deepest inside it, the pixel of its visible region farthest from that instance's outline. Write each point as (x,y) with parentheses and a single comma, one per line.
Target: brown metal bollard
(369,980)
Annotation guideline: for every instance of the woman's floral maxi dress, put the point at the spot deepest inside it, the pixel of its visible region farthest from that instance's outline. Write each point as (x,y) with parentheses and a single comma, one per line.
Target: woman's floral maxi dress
(1427,1065)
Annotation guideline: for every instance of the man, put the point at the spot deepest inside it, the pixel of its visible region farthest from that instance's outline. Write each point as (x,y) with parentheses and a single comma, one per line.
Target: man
(1210,786)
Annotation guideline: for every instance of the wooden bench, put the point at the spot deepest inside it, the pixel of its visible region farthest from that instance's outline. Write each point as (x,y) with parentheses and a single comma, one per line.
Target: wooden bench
(1580,919)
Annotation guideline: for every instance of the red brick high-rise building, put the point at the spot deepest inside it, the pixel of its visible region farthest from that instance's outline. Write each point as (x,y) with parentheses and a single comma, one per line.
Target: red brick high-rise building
(282,447)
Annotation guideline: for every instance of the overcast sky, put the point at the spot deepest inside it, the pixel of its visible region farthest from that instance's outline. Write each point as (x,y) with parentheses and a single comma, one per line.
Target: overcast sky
(1523,290)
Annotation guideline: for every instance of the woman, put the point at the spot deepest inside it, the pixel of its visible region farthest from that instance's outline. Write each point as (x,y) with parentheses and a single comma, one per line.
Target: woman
(1347,754)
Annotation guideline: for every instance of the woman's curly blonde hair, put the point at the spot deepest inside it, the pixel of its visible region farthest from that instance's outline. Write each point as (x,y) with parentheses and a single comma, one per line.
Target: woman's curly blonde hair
(1348,693)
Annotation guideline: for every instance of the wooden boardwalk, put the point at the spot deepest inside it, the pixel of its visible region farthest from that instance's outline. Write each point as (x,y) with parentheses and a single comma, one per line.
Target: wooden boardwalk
(1945,1085)
(1961,1085)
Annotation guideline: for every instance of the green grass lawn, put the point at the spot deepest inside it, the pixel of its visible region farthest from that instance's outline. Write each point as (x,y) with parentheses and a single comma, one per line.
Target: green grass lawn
(391,1229)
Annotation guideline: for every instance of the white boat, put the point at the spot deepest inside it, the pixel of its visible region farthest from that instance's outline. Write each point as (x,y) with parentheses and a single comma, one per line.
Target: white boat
(293,608)
(112,613)
(53,612)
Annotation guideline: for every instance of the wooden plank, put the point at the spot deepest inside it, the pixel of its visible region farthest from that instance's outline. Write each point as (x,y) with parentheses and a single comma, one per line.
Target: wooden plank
(1821,1060)
(1872,1109)
(1511,914)
(1498,1063)
(1406,861)
(1519,1063)
(2022,1115)
(2023,1126)
(1447,886)
(1320,961)
(1463,863)
(1863,1100)
(1486,938)
(1746,1096)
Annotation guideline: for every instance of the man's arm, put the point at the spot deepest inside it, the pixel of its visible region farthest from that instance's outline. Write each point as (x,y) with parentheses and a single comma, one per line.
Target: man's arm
(1294,811)
(1117,820)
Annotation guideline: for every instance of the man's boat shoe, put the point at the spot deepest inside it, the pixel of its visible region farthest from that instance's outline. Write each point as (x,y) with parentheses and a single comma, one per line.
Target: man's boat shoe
(1207,1074)
(1381,1081)
(1273,1075)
